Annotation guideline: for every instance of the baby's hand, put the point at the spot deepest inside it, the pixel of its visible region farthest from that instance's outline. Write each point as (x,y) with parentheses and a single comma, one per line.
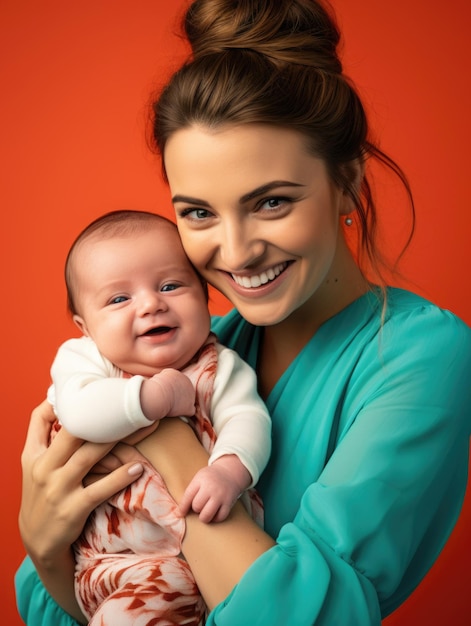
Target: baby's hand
(214,489)
(181,390)
(167,394)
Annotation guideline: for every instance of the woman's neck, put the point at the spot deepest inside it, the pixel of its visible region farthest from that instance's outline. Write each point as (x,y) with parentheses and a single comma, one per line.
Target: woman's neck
(282,342)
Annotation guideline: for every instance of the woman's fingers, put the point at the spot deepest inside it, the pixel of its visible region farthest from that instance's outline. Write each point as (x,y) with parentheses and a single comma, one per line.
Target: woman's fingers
(39,429)
(56,496)
(126,453)
(61,449)
(73,460)
(101,487)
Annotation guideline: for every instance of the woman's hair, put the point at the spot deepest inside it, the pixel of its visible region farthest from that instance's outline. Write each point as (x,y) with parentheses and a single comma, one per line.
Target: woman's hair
(276,62)
(114,224)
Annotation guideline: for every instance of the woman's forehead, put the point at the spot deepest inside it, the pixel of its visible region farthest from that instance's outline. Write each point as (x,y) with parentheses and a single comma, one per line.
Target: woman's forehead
(243,157)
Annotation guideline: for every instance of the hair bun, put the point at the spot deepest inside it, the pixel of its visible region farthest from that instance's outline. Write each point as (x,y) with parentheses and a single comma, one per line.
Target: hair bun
(290,31)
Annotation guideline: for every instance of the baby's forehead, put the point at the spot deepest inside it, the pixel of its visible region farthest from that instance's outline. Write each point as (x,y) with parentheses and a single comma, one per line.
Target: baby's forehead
(163,243)
(130,232)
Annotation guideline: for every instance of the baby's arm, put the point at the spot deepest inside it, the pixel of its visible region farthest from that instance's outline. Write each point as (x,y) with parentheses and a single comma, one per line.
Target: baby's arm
(243,427)
(94,402)
(240,417)
(214,489)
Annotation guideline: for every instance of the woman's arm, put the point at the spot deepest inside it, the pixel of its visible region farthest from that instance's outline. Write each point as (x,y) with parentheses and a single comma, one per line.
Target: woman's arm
(218,554)
(375,520)
(55,503)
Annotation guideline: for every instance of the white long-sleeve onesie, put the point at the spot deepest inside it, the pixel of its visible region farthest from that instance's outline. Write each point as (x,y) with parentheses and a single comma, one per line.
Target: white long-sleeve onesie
(95,401)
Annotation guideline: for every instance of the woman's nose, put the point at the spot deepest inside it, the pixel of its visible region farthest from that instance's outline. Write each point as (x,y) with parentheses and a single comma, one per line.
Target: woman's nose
(240,248)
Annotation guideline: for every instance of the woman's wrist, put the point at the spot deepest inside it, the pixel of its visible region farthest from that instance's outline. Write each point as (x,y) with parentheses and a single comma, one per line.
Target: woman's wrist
(176,454)
(57,576)
(238,538)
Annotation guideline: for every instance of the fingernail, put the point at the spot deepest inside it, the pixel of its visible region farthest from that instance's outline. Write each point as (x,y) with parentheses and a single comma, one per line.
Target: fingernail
(136,469)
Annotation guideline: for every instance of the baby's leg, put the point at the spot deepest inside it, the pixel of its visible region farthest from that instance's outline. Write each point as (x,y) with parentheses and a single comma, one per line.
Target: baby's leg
(129,568)
(152,591)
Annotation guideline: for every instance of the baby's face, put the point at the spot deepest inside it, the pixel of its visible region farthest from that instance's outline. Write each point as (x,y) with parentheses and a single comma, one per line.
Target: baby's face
(140,300)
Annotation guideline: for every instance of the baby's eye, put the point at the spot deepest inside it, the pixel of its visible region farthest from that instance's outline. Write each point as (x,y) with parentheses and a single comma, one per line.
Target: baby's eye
(118,299)
(170,287)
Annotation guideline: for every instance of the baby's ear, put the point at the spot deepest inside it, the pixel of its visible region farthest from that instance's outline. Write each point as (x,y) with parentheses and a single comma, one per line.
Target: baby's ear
(80,323)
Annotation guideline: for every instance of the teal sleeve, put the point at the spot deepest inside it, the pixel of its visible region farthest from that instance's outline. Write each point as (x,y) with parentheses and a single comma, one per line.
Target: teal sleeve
(372,524)
(297,582)
(35,606)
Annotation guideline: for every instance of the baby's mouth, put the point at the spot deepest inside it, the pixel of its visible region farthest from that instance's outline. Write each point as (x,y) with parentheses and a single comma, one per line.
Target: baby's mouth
(157,330)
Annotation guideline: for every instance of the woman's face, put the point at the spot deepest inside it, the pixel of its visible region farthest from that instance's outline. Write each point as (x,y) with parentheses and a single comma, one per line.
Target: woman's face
(258,216)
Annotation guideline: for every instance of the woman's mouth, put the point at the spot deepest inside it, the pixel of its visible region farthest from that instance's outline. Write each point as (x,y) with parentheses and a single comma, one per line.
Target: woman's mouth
(257,280)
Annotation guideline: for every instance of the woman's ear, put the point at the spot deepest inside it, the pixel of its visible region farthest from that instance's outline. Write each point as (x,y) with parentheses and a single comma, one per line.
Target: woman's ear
(80,323)
(353,173)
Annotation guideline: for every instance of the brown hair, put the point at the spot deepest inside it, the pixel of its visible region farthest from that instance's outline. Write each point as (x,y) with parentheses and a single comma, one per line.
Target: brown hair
(110,225)
(272,62)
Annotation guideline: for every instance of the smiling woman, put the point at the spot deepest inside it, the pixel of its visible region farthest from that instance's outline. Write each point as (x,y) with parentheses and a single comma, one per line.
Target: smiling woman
(278,213)
(94,65)
(263,104)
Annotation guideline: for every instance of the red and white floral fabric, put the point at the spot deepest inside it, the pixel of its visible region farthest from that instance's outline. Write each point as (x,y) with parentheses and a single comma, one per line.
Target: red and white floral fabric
(130,569)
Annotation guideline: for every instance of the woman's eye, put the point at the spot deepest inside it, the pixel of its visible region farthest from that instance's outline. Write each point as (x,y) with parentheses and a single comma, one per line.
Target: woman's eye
(273,204)
(195,214)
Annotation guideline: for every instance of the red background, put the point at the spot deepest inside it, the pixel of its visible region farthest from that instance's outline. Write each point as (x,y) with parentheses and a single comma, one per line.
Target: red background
(75,79)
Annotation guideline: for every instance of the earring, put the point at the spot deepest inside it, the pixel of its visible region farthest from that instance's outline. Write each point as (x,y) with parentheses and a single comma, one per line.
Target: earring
(348,221)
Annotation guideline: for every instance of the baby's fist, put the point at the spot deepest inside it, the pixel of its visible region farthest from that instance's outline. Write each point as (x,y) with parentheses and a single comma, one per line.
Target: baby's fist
(181,392)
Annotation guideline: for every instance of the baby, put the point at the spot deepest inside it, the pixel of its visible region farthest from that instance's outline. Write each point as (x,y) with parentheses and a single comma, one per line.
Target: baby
(147,353)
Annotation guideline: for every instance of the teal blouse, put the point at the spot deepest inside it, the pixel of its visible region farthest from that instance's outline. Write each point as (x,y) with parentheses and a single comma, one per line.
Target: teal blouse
(371,426)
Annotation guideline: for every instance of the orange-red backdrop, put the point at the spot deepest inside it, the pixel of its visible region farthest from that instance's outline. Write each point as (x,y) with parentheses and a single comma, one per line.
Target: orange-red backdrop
(75,77)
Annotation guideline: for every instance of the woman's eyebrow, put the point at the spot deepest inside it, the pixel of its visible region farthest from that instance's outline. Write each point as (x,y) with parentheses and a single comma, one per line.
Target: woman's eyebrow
(263,189)
(259,191)
(189,200)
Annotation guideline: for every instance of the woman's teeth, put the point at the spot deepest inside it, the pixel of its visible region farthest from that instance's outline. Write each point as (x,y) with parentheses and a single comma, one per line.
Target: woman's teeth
(259,279)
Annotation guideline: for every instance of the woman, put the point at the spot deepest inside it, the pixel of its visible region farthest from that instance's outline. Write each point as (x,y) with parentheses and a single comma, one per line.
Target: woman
(266,150)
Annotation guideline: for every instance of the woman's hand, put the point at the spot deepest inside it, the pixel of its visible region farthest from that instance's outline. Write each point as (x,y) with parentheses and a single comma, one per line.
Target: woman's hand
(111,461)
(55,503)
